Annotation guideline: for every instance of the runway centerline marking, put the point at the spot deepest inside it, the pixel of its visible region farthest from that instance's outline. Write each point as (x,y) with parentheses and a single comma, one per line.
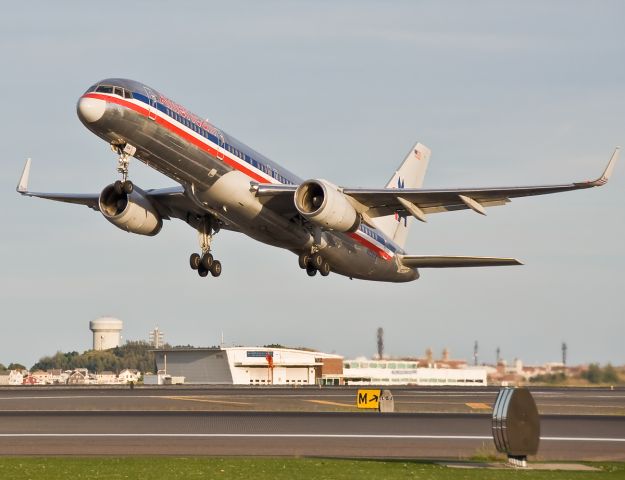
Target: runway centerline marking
(207,400)
(326,402)
(294,435)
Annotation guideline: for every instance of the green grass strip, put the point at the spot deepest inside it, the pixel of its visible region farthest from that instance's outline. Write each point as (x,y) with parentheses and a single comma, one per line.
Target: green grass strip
(154,468)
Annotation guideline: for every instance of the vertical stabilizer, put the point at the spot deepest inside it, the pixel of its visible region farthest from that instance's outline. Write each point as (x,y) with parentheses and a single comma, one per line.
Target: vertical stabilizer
(410,174)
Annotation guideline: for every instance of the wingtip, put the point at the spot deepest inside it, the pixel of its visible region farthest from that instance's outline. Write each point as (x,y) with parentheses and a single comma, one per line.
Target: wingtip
(607,173)
(22,186)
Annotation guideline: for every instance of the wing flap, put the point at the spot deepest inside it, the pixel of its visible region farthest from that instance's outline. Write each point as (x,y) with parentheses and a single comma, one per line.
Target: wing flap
(440,261)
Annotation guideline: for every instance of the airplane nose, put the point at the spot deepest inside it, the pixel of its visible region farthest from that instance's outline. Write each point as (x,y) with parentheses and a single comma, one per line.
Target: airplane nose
(90,109)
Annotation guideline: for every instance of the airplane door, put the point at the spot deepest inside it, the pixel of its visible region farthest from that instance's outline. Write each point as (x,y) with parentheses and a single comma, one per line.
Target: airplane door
(153,104)
(222,144)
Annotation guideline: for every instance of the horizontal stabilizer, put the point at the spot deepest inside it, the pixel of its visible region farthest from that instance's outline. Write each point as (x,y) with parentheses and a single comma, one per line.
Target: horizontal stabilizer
(439,261)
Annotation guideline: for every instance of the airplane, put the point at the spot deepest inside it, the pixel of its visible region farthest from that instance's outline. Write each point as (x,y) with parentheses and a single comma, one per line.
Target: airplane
(224,184)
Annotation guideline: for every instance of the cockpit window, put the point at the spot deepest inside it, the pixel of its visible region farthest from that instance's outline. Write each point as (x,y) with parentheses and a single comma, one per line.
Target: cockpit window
(104,89)
(127,94)
(119,91)
(91,89)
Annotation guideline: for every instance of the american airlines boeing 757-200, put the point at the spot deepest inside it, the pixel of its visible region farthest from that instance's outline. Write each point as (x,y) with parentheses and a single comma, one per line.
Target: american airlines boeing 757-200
(356,232)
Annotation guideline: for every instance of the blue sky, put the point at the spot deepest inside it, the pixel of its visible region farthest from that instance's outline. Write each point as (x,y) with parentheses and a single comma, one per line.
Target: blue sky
(504,93)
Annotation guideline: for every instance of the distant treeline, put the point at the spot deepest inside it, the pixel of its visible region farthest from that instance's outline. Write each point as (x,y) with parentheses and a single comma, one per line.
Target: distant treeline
(12,366)
(595,374)
(133,355)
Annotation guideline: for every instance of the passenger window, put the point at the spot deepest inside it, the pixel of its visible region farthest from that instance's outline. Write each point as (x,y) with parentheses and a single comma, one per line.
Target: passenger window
(104,89)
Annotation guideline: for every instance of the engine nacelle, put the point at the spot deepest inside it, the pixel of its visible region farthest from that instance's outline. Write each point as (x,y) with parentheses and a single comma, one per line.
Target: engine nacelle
(131,212)
(321,202)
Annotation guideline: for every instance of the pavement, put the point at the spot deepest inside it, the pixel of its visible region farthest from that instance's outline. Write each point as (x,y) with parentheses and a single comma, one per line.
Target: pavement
(407,399)
(433,424)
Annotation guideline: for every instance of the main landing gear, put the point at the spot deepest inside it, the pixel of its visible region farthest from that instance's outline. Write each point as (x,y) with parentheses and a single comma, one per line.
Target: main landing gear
(204,262)
(125,151)
(314,263)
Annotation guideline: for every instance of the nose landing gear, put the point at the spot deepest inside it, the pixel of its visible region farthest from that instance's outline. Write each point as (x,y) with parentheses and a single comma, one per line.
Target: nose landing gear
(204,262)
(125,152)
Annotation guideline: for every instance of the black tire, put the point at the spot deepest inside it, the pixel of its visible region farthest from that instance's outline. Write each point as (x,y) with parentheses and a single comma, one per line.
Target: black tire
(311,271)
(202,272)
(216,268)
(303,260)
(207,261)
(118,186)
(194,261)
(325,269)
(316,261)
(128,187)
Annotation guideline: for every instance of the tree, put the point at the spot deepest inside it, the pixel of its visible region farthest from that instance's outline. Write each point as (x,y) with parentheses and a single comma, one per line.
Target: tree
(2,368)
(16,366)
(609,374)
(133,355)
(593,374)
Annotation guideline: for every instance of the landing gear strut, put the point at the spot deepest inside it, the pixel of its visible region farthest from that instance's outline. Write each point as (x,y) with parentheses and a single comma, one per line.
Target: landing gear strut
(125,152)
(314,263)
(204,262)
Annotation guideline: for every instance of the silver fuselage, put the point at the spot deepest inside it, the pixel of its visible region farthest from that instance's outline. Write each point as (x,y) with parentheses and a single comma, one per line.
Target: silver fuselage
(217,173)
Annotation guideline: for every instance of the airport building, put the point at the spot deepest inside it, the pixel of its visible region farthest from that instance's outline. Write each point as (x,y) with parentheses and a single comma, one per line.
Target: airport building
(248,366)
(398,372)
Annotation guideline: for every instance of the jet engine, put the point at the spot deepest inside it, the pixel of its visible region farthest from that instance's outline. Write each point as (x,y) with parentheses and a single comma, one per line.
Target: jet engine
(132,212)
(322,203)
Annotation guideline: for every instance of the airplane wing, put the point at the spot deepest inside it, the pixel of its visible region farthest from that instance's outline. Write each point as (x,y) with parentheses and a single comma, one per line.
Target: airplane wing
(435,261)
(418,202)
(169,202)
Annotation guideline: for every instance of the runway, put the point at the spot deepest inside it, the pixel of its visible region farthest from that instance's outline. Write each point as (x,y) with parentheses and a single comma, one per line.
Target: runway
(407,399)
(296,433)
(431,423)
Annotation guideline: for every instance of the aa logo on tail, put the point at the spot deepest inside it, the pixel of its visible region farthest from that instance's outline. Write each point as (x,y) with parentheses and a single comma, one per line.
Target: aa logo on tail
(402,215)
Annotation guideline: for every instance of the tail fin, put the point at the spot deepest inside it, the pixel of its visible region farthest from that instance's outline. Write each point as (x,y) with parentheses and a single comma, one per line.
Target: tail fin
(410,174)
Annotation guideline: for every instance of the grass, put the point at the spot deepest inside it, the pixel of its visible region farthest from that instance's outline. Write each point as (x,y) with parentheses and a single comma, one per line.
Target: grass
(154,468)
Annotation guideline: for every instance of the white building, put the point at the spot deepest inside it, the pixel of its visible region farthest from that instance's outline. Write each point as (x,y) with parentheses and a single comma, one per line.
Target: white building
(399,372)
(107,332)
(14,377)
(127,375)
(247,365)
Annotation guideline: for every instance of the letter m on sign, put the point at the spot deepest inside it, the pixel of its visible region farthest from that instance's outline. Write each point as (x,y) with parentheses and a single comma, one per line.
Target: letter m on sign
(368,398)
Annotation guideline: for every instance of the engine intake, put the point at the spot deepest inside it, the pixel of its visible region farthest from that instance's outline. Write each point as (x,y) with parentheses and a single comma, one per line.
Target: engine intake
(132,212)
(322,203)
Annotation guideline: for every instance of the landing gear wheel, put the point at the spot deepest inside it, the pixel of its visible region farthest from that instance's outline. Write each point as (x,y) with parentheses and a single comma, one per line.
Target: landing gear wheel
(207,261)
(128,187)
(303,260)
(325,269)
(118,186)
(316,261)
(311,271)
(195,261)
(216,268)
(202,272)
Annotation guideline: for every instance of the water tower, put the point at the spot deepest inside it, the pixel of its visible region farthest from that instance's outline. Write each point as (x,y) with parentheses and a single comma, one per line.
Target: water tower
(107,332)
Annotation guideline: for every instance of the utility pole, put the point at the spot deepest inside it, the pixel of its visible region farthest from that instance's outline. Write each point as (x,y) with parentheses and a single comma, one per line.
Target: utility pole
(475,350)
(380,343)
(498,355)
(564,349)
